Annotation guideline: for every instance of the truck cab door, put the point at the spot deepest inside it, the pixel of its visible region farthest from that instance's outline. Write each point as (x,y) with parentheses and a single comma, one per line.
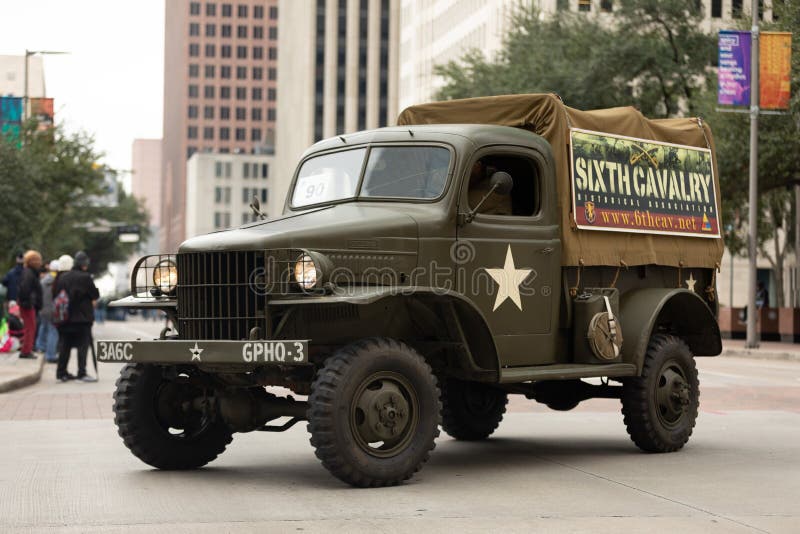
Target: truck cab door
(509,255)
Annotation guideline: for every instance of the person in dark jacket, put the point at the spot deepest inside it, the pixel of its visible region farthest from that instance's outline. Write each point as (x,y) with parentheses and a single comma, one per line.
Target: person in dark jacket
(29,298)
(12,277)
(76,331)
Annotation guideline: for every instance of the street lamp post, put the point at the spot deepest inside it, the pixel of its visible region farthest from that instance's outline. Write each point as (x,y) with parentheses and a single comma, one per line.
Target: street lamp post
(729,231)
(752,248)
(28,54)
(796,277)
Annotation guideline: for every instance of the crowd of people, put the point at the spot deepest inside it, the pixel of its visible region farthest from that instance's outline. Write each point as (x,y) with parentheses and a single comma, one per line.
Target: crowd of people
(50,310)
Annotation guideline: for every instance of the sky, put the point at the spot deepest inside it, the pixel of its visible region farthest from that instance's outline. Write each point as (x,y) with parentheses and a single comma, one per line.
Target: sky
(111,83)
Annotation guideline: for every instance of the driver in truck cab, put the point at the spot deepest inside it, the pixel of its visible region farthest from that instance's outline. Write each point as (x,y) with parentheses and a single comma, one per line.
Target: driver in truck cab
(479,185)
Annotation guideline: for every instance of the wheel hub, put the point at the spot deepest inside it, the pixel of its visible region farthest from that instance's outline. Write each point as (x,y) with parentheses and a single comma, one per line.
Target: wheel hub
(673,395)
(392,413)
(383,415)
(385,410)
(175,411)
(680,395)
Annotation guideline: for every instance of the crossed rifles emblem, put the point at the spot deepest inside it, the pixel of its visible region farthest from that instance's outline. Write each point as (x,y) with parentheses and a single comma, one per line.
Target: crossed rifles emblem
(645,153)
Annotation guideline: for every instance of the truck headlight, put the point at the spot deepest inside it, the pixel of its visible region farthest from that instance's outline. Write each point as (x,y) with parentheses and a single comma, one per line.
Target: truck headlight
(305,272)
(165,276)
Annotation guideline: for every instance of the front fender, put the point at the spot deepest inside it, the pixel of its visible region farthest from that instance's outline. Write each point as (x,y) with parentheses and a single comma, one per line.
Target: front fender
(677,310)
(369,295)
(466,322)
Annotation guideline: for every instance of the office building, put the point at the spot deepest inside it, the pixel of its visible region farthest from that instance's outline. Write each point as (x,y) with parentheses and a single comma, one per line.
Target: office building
(220,188)
(436,32)
(146,186)
(340,76)
(220,81)
(12,76)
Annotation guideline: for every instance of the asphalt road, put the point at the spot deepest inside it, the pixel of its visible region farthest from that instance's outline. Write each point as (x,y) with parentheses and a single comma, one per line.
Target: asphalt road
(63,468)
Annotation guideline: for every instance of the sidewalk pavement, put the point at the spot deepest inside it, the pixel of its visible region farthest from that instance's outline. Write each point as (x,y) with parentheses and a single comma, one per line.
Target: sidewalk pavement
(16,373)
(767,350)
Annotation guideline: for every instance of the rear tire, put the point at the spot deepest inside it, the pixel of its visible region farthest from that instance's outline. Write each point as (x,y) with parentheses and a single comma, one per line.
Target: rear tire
(374,413)
(470,410)
(157,423)
(660,407)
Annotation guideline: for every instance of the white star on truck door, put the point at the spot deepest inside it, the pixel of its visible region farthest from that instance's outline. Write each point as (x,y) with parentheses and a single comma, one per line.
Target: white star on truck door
(508,279)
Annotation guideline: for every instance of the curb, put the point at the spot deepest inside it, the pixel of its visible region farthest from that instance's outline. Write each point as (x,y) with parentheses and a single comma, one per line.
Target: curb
(761,355)
(24,380)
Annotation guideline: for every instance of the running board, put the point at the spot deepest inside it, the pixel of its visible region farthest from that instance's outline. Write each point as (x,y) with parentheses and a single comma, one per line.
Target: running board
(567,371)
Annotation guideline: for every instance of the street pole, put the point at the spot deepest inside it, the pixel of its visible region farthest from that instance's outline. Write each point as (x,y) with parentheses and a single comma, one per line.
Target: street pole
(26,96)
(752,247)
(796,277)
(25,90)
(731,293)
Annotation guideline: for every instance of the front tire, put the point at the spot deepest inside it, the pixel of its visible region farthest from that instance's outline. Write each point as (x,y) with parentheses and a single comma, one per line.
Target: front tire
(374,413)
(660,406)
(157,422)
(471,410)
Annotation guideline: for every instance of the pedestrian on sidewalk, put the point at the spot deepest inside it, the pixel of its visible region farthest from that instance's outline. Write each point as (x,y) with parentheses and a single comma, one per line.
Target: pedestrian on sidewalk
(762,296)
(12,278)
(29,297)
(65,264)
(100,310)
(47,339)
(76,331)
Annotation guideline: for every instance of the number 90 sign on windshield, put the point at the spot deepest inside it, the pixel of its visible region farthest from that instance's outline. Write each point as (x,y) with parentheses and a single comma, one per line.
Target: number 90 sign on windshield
(328,177)
(315,189)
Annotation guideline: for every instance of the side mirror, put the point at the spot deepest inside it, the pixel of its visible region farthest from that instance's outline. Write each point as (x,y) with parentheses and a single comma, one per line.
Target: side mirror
(501,183)
(255,205)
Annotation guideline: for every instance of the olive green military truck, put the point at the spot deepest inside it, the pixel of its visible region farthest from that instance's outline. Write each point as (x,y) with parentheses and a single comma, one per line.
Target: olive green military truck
(421,274)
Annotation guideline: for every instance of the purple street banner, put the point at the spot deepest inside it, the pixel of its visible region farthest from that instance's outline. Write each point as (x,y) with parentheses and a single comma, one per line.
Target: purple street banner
(10,116)
(734,68)
(625,184)
(775,65)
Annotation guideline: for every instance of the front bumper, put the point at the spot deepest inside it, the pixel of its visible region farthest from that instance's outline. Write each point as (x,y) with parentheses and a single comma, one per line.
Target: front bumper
(196,352)
(144,303)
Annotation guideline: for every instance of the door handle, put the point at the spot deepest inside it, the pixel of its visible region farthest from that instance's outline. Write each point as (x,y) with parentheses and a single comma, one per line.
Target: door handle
(547,250)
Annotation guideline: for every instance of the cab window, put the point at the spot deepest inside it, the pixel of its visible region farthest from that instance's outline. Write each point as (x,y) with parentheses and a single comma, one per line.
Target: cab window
(524,200)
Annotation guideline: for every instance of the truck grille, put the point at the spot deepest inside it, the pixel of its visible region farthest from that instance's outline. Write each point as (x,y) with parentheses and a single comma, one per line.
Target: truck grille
(223,295)
(215,298)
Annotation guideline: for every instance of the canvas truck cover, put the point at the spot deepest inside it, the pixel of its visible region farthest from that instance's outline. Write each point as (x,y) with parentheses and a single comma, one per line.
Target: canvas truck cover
(630,189)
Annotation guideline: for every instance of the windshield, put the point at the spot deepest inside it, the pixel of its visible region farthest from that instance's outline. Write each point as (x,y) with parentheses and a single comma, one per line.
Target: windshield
(411,172)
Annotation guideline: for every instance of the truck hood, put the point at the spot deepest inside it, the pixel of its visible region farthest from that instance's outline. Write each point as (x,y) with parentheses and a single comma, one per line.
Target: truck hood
(351,226)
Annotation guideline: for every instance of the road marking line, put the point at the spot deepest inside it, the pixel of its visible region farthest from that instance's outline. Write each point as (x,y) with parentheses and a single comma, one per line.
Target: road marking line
(652,494)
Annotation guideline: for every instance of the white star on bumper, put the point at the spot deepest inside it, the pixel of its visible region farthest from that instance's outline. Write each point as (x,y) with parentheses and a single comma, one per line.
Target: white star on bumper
(196,351)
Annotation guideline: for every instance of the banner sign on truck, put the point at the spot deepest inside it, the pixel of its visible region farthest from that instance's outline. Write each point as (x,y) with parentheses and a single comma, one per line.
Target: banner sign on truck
(734,68)
(624,184)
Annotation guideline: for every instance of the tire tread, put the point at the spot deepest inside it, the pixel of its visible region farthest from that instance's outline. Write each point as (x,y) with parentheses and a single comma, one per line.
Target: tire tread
(459,424)
(322,406)
(635,402)
(142,441)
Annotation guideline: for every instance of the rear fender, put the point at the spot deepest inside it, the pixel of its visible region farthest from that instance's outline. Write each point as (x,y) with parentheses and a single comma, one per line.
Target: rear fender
(676,311)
